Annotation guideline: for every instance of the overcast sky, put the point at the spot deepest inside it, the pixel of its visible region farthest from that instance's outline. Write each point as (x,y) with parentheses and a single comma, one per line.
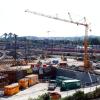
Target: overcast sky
(14,19)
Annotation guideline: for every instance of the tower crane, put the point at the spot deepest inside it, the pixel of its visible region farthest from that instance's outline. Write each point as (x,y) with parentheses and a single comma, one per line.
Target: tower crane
(87,65)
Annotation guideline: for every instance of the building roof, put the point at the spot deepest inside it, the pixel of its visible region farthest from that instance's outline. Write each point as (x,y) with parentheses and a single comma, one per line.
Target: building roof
(73,80)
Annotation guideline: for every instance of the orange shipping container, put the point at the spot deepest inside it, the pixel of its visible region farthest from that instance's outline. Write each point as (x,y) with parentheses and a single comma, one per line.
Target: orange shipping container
(23,83)
(11,89)
(32,79)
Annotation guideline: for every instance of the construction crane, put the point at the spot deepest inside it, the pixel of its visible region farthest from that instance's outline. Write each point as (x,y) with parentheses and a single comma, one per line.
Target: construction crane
(87,65)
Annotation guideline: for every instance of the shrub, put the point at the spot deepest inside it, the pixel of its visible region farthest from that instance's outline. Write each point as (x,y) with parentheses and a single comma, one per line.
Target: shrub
(79,95)
(68,98)
(89,96)
(97,93)
(44,97)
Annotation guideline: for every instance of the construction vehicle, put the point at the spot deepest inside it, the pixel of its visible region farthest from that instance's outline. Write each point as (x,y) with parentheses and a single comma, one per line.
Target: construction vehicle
(52,85)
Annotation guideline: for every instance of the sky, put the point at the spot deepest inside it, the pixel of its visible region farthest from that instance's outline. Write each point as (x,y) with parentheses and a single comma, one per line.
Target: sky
(14,19)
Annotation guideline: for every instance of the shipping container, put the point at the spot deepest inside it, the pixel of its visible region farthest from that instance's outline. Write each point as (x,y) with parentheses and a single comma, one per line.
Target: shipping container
(70,84)
(23,83)
(3,80)
(32,79)
(11,76)
(11,89)
(19,75)
(59,79)
(14,75)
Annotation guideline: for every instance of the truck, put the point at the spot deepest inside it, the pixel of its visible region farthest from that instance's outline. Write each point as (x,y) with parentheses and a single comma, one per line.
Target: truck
(52,85)
(70,84)
(59,79)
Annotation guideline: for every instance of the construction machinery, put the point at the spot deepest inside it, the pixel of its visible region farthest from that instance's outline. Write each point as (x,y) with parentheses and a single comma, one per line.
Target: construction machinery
(87,65)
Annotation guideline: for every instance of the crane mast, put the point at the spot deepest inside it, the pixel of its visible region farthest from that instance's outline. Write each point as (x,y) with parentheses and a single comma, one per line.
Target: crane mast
(86,56)
(87,65)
